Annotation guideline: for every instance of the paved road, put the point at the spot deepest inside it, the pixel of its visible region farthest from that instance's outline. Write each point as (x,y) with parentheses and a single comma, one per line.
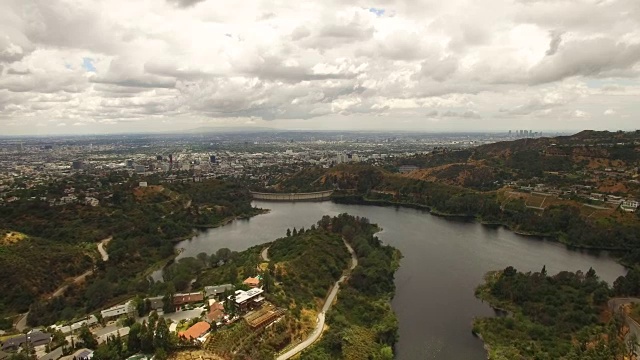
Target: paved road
(634,327)
(21,325)
(101,250)
(317,332)
(265,254)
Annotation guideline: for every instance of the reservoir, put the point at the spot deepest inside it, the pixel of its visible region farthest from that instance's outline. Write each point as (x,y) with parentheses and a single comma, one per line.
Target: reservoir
(444,260)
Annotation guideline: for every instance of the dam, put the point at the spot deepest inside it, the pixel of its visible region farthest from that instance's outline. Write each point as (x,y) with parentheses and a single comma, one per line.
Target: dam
(310,196)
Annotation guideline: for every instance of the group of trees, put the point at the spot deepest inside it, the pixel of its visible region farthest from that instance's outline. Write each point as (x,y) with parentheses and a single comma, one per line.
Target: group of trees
(149,337)
(550,317)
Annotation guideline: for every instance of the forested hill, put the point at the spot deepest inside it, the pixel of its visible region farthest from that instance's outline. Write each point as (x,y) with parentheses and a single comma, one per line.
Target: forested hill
(557,160)
(45,246)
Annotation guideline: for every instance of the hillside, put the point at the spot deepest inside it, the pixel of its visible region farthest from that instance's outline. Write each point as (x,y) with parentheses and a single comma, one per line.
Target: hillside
(60,242)
(604,160)
(564,316)
(527,185)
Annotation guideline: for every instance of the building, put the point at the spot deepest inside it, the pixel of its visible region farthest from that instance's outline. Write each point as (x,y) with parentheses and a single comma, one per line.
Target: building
(77,164)
(127,309)
(630,205)
(407,168)
(216,311)
(217,290)
(196,331)
(189,298)
(82,354)
(140,169)
(156,302)
(142,184)
(32,339)
(252,282)
(245,300)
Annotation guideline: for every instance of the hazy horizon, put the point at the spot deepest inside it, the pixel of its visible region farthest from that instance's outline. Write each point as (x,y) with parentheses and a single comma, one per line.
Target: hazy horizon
(93,67)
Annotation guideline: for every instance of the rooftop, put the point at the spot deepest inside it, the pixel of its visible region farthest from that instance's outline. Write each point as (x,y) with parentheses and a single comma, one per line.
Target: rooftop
(242,296)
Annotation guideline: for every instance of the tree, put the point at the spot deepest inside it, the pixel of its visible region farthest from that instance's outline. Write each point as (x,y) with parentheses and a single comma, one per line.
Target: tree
(162,339)
(295,232)
(203,257)
(133,341)
(167,304)
(87,338)
(288,232)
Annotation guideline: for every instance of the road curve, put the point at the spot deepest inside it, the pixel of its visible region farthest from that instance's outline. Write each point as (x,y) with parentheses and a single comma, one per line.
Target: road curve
(265,254)
(317,332)
(101,250)
(634,327)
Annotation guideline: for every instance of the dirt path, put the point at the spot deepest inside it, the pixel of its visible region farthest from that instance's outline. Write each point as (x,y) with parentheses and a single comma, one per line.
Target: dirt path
(101,250)
(78,279)
(265,254)
(317,331)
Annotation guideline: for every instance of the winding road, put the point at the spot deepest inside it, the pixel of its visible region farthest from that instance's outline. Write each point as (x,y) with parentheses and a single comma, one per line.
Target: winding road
(101,250)
(317,332)
(265,254)
(634,327)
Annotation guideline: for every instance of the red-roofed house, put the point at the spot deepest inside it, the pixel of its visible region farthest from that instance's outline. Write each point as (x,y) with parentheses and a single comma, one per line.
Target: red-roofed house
(196,331)
(252,282)
(216,312)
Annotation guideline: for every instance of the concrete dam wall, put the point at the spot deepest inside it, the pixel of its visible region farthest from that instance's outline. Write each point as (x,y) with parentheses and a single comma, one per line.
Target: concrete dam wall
(312,196)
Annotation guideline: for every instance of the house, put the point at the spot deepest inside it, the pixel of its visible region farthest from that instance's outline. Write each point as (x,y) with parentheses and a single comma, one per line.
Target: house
(196,331)
(91,201)
(216,290)
(34,338)
(407,168)
(156,302)
(216,312)
(127,309)
(630,205)
(188,298)
(82,354)
(252,282)
(245,300)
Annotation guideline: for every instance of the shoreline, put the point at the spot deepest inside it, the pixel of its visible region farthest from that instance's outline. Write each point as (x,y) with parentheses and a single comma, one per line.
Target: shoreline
(361,200)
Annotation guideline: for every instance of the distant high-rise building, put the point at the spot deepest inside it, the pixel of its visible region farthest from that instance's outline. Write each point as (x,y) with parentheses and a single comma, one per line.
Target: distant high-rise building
(170,158)
(159,157)
(130,163)
(212,158)
(77,164)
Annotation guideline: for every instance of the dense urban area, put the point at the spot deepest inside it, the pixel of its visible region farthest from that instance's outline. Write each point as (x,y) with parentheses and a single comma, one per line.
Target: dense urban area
(87,219)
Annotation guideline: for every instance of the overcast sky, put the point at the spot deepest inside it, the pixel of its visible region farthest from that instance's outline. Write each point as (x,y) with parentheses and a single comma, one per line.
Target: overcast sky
(90,66)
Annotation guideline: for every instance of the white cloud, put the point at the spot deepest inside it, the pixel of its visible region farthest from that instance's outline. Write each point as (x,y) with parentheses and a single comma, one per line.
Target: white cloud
(321,65)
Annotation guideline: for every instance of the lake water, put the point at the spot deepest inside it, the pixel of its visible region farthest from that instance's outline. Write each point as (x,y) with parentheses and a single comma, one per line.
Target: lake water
(444,260)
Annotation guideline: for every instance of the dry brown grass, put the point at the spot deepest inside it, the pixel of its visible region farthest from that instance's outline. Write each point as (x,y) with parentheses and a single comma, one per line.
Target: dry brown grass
(11,237)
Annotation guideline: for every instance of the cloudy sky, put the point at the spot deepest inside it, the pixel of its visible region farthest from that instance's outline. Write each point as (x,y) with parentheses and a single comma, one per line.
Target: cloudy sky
(92,66)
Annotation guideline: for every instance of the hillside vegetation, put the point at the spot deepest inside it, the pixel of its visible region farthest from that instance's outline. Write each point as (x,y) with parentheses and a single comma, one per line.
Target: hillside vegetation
(61,243)
(564,316)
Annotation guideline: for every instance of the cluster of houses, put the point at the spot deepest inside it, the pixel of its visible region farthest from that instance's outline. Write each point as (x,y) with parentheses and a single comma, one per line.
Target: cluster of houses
(584,192)
(244,301)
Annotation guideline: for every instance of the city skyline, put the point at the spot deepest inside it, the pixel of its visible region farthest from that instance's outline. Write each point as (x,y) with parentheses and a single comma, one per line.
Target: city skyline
(80,67)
